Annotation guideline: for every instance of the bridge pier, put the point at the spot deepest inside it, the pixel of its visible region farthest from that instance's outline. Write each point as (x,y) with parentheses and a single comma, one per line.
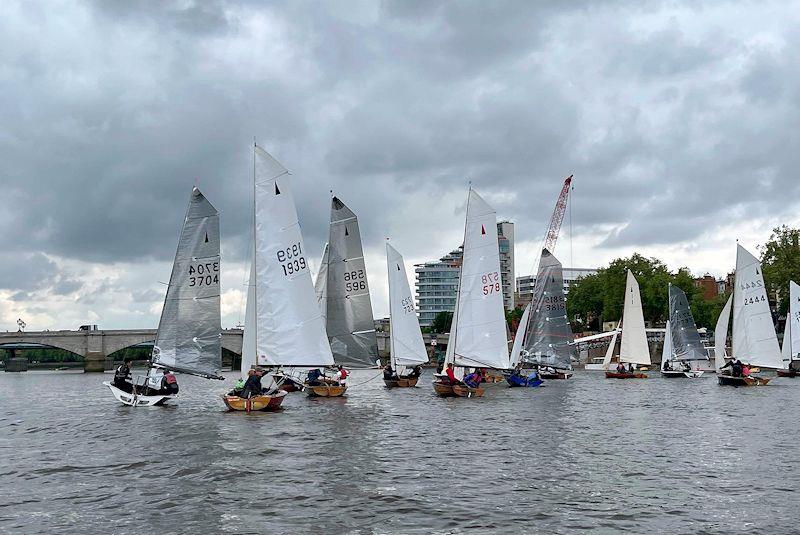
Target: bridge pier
(94,361)
(15,363)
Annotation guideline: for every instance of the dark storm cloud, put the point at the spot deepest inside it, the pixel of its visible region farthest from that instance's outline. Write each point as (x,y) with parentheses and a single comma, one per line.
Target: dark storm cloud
(108,123)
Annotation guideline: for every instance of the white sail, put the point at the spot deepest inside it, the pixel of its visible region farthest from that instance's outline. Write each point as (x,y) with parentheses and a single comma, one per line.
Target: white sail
(516,348)
(610,351)
(188,337)
(634,346)
(407,345)
(290,329)
(480,323)
(754,339)
(666,351)
(721,334)
(249,349)
(791,335)
(321,284)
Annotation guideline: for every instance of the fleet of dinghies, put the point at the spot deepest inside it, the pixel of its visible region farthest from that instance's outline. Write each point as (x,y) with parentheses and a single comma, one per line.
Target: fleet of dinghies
(295,325)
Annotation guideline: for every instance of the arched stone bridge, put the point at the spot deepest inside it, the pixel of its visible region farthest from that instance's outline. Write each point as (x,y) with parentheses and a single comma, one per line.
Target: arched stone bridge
(96,346)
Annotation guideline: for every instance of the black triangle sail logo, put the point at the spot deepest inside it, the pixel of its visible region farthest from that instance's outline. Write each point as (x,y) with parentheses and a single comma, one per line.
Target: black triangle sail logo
(345,232)
(206,236)
(277,191)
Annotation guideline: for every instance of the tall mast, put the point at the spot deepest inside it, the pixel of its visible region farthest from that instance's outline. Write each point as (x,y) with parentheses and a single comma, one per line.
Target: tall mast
(254,264)
(460,277)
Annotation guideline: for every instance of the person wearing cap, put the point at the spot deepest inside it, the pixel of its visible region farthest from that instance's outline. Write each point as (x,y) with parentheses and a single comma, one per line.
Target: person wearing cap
(252,387)
(121,375)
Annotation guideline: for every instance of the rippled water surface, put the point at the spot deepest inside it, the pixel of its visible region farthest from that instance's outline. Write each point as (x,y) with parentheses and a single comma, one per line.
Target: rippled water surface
(667,456)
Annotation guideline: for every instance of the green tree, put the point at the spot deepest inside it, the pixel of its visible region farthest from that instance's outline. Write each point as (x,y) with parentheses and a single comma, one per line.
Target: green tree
(442,321)
(780,260)
(513,317)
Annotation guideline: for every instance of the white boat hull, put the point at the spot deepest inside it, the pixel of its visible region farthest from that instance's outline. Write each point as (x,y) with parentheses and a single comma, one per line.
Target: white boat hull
(136,400)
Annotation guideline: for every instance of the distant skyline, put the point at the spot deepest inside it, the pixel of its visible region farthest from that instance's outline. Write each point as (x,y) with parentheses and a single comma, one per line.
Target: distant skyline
(677,119)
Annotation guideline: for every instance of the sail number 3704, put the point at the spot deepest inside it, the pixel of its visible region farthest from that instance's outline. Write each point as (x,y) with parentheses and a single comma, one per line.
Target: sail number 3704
(491,283)
(291,259)
(203,274)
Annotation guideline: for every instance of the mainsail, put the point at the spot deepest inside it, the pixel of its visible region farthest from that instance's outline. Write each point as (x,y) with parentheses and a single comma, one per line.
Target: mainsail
(290,330)
(188,338)
(480,337)
(686,343)
(321,284)
(407,345)
(754,338)
(791,335)
(549,335)
(721,334)
(350,324)
(633,347)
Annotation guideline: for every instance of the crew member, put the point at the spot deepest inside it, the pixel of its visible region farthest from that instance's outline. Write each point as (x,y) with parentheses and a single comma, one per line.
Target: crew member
(451,374)
(341,375)
(121,375)
(252,387)
(388,372)
(169,384)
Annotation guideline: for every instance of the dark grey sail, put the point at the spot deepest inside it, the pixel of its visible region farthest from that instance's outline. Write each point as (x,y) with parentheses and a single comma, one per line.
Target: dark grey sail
(188,338)
(549,335)
(349,321)
(686,343)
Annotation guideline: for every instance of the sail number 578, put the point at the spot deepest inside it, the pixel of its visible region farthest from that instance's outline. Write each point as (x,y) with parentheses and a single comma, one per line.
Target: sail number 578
(491,283)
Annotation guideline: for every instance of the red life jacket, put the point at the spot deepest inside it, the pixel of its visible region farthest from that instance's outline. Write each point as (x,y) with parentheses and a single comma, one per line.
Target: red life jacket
(344,373)
(170,379)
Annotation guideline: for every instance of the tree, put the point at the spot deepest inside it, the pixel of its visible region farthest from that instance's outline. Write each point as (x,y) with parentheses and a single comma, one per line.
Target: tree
(442,321)
(513,317)
(780,260)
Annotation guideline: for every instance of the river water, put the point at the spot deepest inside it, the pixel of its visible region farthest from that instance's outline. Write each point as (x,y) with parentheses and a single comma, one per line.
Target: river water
(666,456)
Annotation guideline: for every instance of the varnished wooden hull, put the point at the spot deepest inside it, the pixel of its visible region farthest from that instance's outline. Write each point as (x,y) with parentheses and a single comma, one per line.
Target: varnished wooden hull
(626,375)
(287,383)
(325,391)
(442,389)
(464,391)
(256,403)
(729,380)
(788,373)
(401,382)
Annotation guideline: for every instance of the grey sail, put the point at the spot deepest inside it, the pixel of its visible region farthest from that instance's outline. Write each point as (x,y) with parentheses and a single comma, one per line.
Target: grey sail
(549,334)
(188,338)
(321,284)
(349,321)
(686,343)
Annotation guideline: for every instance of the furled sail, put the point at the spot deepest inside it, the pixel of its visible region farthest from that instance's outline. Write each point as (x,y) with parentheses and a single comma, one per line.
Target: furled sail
(791,335)
(350,324)
(321,284)
(188,338)
(666,351)
(633,347)
(549,335)
(754,338)
(686,341)
(407,345)
(480,339)
(516,348)
(290,330)
(721,334)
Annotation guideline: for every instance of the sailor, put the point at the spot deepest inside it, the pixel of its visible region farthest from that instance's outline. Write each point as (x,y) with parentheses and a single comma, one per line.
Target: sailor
(620,368)
(341,375)
(237,387)
(630,367)
(473,380)
(533,377)
(794,364)
(667,366)
(451,374)
(745,370)
(169,384)
(416,372)
(686,367)
(313,377)
(388,372)
(121,375)
(735,365)
(252,387)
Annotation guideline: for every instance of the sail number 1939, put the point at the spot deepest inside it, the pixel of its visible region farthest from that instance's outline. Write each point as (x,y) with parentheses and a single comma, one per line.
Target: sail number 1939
(491,283)
(291,259)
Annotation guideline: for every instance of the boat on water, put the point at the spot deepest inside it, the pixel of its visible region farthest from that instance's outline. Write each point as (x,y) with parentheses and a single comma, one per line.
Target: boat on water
(478,331)
(188,339)
(518,377)
(284,327)
(633,345)
(790,350)
(406,346)
(682,343)
(755,342)
(344,301)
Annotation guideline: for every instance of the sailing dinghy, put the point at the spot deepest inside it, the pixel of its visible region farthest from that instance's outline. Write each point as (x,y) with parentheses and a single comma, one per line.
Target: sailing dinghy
(682,343)
(347,306)
(478,331)
(790,351)
(754,339)
(633,347)
(283,324)
(188,336)
(407,348)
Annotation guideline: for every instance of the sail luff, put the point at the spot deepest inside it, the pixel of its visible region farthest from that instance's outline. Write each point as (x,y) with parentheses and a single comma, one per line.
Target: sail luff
(633,348)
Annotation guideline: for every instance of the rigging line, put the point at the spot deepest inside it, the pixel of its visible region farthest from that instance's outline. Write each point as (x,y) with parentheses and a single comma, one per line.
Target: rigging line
(367,381)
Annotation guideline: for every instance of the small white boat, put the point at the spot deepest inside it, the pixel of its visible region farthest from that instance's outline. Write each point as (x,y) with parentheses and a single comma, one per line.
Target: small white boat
(137,400)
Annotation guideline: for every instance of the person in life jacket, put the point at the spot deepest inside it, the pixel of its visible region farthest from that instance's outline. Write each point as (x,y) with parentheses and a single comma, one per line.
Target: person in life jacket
(388,372)
(169,383)
(341,375)
(121,375)
(252,387)
(451,374)
(473,380)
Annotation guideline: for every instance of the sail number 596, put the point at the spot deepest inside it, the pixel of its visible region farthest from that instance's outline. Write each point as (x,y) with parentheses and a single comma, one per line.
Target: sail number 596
(355,280)
(491,283)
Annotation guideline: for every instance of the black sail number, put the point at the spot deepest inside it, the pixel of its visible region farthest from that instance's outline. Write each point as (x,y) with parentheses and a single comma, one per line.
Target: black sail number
(203,273)
(291,259)
(355,280)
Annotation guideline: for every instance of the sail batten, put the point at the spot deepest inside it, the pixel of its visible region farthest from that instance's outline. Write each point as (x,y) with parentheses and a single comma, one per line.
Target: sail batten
(188,337)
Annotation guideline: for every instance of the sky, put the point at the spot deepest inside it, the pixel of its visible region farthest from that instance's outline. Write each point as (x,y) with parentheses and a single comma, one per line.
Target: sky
(679,121)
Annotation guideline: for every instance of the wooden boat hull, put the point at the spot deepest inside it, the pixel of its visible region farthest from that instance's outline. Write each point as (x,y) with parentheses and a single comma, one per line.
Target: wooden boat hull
(729,380)
(464,391)
(788,373)
(136,400)
(325,391)
(442,389)
(626,375)
(401,382)
(263,402)
(287,383)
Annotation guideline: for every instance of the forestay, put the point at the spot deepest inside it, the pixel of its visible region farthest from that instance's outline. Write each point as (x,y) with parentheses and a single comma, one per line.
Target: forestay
(633,347)
(480,339)
(791,335)
(516,347)
(721,334)
(407,345)
(188,338)
(290,330)
(686,341)
(549,335)
(754,338)
(350,324)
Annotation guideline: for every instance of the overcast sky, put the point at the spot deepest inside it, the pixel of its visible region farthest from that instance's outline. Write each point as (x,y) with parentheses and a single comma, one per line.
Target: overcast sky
(679,121)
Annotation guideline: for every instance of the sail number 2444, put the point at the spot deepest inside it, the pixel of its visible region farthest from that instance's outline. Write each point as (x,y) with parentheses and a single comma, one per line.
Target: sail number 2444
(491,283)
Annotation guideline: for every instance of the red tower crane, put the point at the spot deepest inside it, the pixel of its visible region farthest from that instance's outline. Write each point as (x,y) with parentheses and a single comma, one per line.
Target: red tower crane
(551,236)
